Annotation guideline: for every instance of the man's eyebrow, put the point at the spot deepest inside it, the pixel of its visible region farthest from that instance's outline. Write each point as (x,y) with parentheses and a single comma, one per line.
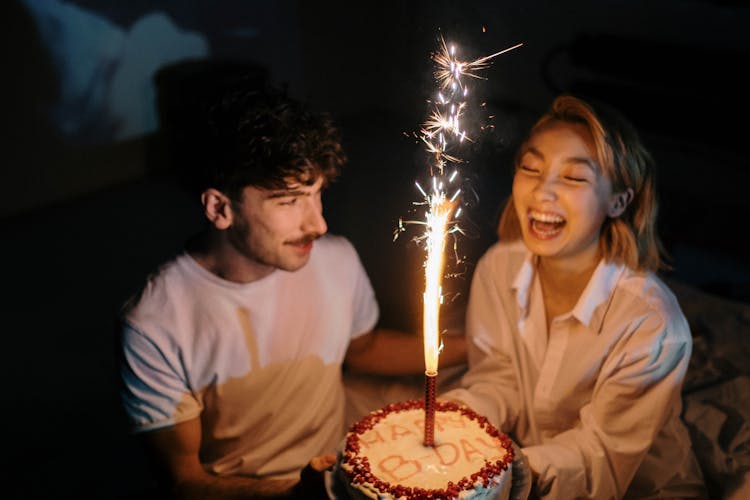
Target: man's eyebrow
(285,192)
(291,191)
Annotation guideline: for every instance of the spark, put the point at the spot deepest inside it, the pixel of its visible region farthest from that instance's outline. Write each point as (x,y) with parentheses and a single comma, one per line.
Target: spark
(441,122)
(448,75)
(450,70)
(441,133)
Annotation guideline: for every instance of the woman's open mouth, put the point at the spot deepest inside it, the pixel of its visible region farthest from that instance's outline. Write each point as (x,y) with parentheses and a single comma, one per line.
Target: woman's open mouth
(545,225)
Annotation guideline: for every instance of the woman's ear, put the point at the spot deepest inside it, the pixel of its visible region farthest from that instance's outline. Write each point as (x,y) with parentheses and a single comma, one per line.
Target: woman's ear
(619,202)
(218,208)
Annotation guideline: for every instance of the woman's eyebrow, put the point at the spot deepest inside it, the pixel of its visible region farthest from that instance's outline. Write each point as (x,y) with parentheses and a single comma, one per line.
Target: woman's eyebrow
(583,160)
(533,151)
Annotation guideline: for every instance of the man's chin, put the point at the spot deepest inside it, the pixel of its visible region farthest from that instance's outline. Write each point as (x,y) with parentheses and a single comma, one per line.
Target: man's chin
(294,264)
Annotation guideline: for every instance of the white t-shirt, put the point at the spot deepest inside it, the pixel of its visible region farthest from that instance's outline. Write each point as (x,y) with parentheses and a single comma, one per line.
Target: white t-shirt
(258,363)
(595,401)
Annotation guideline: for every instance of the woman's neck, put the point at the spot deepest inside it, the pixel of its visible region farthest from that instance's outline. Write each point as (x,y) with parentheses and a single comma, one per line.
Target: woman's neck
(563,283)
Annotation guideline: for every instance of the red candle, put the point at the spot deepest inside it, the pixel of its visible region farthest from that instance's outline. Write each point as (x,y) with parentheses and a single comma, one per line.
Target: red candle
(429,409)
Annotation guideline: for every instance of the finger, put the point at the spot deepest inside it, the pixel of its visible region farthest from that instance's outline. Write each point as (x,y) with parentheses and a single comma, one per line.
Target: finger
(323,462)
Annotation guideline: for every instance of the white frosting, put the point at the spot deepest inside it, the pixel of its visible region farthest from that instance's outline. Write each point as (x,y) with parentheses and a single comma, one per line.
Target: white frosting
(397,454)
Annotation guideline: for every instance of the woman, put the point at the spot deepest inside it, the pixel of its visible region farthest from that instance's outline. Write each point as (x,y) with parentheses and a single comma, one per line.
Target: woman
(578,350)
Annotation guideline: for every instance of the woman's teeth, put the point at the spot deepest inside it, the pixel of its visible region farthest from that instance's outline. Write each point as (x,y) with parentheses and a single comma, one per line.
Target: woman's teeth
(546,225)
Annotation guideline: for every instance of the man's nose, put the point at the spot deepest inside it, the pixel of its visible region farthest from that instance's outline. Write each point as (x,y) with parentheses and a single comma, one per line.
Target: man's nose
(314,221)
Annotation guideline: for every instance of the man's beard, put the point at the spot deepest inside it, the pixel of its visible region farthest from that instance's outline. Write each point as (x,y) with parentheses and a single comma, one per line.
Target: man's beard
(240,236)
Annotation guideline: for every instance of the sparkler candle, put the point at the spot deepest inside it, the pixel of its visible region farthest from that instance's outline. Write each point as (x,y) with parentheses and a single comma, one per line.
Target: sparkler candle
(441,130)
(437,223)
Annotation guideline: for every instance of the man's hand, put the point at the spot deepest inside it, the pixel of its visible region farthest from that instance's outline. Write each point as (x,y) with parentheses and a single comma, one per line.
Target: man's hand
(391,352)
(312,479)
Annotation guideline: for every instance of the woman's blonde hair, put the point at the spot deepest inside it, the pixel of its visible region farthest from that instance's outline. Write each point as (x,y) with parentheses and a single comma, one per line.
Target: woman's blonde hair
(631,238)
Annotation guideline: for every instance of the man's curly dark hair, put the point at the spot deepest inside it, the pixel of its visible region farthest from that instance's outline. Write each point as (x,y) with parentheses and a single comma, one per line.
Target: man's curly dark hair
(266,139)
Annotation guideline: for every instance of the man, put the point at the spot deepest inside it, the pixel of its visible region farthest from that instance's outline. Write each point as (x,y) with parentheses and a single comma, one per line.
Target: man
(232,353)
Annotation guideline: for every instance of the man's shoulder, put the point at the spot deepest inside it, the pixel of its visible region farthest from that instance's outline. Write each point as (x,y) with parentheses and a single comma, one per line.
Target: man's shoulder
(335,247)
(335,243)
(160,289)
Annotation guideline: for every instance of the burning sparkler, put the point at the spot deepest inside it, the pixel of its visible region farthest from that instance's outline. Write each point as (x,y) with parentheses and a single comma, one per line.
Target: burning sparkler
(439,133)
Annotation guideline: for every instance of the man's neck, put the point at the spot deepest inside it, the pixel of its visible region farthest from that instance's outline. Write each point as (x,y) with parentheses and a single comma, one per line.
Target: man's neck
(212,251)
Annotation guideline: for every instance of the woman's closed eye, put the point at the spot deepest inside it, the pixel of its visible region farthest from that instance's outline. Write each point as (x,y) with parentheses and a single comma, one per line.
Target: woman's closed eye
(573,178)
(528,169)
(578,174)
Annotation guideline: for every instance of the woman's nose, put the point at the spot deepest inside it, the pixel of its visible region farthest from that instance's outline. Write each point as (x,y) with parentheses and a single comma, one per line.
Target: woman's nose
(545,189)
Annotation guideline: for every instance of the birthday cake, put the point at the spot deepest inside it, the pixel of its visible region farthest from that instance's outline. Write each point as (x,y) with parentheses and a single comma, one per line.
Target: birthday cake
(384,456)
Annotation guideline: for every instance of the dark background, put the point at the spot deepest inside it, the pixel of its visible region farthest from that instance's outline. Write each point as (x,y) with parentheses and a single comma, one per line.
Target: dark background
(97,101)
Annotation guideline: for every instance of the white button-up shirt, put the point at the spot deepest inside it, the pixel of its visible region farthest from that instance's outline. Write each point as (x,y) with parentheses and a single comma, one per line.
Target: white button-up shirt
(595,401)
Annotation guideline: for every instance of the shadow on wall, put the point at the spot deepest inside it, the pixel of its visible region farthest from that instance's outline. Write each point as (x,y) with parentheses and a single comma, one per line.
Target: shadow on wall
(79,110)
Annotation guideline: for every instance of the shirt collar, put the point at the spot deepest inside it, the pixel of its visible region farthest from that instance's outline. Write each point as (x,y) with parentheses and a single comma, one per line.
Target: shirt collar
(598,291)
(522,283)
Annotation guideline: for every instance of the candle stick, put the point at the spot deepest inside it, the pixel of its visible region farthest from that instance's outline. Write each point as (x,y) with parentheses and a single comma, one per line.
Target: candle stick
(429,409)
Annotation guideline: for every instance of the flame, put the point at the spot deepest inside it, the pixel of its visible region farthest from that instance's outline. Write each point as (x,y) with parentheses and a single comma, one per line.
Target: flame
(437,228)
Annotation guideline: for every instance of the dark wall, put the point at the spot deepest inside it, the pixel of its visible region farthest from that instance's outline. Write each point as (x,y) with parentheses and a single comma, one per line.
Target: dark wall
(85,110)
(82,91)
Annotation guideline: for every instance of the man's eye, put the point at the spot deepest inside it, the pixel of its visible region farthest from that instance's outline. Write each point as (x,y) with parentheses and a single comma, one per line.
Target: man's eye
(528,169)
(288,201)
(575,179)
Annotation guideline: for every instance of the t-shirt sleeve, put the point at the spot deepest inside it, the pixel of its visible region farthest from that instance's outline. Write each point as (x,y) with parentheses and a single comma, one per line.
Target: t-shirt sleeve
(364,304)
(154,394)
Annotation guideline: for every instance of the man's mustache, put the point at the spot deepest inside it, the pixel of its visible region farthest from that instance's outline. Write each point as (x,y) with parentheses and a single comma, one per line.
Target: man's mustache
(308,238)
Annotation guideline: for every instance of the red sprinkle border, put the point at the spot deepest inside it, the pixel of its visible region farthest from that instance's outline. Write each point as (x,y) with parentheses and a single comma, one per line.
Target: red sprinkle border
(361,472)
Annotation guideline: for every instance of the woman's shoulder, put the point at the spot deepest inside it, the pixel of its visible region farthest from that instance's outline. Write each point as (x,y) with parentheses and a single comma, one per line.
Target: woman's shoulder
(649,289)
(645,295)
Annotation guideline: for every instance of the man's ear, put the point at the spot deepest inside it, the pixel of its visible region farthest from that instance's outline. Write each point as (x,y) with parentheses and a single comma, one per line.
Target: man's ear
(619,202)
(218,208)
